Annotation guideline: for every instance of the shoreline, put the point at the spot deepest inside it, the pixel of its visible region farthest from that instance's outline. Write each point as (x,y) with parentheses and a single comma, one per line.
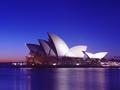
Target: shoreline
(54,66)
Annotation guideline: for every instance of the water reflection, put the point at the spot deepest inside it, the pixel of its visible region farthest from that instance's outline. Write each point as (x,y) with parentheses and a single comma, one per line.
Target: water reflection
(80,79)
(22,80)
(113,79)
(60,79)
(14,79)
(42,79)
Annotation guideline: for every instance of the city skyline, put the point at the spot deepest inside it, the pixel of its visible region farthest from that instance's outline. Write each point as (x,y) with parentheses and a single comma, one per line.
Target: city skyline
(92,23)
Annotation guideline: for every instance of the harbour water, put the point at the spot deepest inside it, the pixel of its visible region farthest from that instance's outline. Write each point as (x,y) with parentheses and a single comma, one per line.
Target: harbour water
(59,79)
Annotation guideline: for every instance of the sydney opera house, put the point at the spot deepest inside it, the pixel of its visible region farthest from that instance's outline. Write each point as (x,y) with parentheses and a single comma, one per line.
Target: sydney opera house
(55,51)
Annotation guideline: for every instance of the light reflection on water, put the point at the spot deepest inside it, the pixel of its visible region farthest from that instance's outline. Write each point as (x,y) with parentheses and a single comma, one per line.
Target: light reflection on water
(59,79)
(80,79)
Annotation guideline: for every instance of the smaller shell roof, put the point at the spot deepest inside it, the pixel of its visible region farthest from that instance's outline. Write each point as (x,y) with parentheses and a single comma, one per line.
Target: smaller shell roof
(47,49)
(77,51)
(98,55)
(35,49)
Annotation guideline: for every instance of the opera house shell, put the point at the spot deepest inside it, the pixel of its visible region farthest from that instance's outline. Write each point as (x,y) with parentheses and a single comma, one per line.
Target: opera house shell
(56,47)
(99,55)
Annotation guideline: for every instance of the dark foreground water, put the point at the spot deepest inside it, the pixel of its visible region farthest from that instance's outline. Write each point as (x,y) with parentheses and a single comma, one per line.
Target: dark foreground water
(59,79)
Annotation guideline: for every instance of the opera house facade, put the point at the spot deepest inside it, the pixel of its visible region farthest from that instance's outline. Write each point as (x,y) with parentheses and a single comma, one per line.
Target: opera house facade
(56,51)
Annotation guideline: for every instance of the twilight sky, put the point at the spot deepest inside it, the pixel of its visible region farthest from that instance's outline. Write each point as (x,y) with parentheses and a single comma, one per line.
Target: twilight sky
(95,23)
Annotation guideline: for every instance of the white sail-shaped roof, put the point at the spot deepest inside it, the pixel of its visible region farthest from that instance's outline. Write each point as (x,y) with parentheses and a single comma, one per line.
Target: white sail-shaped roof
(48,50)
(77,51)
(35,49)
(99,55)
(58,45)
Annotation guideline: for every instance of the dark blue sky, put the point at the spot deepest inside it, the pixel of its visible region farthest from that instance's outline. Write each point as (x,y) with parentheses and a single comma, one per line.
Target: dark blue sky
(95,23)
